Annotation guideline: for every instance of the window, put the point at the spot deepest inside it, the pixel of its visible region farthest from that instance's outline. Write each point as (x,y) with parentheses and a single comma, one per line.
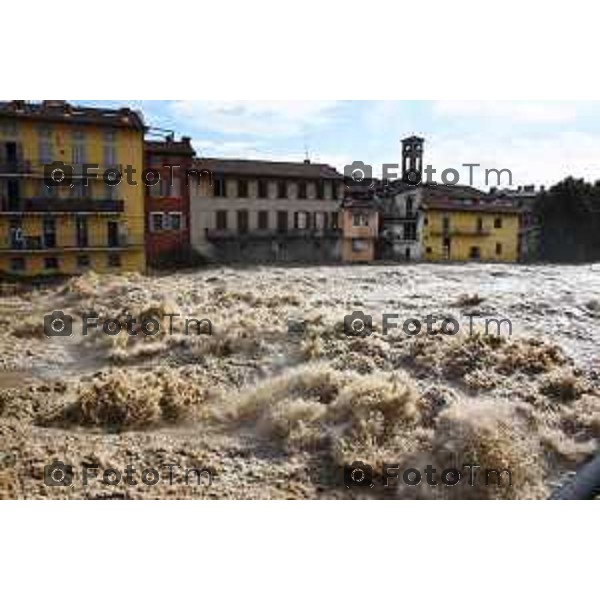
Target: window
(360,220)
(334,191)
(497,223)
(320,220)
(78,135)
(17,263)
(410,200)
(446,223)
(359,245)
(302,190)
(81,231)
(407,148)
(49,232)
(219,188)
(263,219)
(282,221)
(429,250)
(479,224)
(242,188)
(157,221)
(221,220)
(176,221)
(410,232)
(263,188)
(51,263)
(45,152)
(498,249)
(282,189)
(319,190)
(335,220)
(301,220)
(83,261)
(242,221)
(114,260)
(475,253)
(78,154)
(110,136)
(109,155)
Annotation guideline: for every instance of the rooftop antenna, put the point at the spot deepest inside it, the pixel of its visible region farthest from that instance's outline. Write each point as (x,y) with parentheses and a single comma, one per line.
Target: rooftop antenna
(306,152)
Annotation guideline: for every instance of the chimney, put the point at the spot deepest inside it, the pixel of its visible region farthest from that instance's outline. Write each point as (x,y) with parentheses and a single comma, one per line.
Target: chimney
(307,161)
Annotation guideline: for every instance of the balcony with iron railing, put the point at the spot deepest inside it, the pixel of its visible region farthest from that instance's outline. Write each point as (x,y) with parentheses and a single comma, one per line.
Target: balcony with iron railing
(61,205)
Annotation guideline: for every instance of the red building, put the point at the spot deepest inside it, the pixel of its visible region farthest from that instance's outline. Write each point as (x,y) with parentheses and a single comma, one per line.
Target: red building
(167,202)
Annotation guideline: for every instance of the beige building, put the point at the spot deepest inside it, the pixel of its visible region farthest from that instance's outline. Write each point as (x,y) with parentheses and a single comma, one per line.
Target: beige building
(360,226)
(259,211)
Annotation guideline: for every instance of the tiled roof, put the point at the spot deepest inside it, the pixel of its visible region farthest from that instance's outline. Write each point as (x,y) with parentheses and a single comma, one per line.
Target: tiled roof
(61,111)
(264,168)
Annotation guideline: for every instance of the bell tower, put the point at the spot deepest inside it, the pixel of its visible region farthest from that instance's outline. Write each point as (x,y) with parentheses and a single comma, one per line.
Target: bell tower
(412,159)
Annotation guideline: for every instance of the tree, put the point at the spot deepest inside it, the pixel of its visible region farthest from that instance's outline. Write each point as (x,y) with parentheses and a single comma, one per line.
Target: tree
(569,214)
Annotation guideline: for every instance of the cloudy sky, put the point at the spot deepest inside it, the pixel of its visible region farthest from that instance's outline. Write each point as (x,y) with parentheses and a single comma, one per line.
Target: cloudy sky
(540,142)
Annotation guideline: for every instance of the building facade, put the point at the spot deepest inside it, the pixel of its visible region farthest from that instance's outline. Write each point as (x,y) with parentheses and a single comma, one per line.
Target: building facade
(470,230)
(68,227)
(262,211)
(167,202)
(525,197)
(402,223)
(360,227)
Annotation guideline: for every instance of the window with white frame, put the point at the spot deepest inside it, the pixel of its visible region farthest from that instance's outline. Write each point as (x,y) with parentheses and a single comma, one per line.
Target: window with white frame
(360,220)
(157,221)
(176,221)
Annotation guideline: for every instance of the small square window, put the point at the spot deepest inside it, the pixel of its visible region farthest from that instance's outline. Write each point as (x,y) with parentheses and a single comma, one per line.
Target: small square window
(17,263)
(359,245)
(429,250)
(497,223)
(114,260)
(176,221)
(157,221)
(51,263)
(83,261)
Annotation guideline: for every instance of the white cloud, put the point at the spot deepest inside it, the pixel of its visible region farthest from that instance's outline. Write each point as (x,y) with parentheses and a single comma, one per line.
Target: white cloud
(532,160)
(265,118)
(522,111)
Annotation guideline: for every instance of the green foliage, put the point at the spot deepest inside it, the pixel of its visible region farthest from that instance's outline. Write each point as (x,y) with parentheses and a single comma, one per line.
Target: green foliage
(569,214)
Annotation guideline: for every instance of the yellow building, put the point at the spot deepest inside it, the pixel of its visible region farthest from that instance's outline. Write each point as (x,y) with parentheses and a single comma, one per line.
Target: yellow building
(51,227)
(468,230)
